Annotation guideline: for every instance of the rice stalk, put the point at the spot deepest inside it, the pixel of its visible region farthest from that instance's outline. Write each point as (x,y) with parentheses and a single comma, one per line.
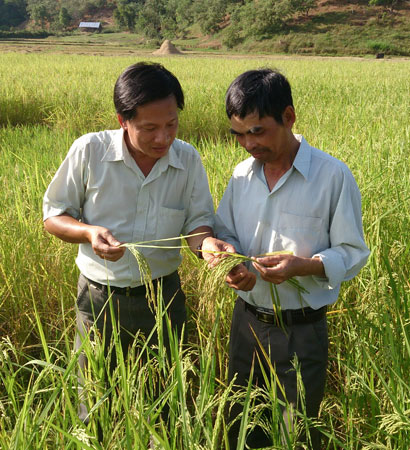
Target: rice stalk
(216,276)
(277,306)
(144,268)
(233,259)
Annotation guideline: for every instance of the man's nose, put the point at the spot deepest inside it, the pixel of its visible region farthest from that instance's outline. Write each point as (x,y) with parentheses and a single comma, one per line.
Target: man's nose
(162,136)
(250,143)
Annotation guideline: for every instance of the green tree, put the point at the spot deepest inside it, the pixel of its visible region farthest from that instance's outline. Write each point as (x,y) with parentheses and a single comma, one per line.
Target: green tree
(40,15)
(391,4)
(64,17)
(168,19)
(126,14)
(43,12)
(78,8)
(149,18)
(232,36)
(263,17)
(210,14)
(184,16)
(12,12)
(302,6)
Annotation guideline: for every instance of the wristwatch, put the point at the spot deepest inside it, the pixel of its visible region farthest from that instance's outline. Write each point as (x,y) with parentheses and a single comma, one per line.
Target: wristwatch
(199,251)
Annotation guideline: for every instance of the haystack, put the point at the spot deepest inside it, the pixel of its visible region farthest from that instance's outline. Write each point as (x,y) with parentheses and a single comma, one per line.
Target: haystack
(167,48)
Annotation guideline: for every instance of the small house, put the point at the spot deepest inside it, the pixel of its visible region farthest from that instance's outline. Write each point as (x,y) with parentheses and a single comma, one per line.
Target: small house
(90,26)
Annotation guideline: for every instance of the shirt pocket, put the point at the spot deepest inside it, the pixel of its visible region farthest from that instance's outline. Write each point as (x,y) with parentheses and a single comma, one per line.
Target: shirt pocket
(170,223)
(301,234)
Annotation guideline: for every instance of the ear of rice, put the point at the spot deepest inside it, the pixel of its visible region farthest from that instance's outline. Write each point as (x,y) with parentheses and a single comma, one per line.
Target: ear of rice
(216,276)
(145,270)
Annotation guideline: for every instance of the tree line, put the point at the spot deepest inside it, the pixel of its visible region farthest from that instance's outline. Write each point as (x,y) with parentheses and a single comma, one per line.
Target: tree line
(160,19)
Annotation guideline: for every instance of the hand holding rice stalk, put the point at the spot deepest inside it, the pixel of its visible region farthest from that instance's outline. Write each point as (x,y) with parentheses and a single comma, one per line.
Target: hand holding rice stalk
(231,260)
(226,263)
(145,270)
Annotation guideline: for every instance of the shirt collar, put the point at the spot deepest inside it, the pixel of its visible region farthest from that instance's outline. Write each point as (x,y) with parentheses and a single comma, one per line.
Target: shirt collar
(174,159)
(301,162)
(117,151)
(303,157)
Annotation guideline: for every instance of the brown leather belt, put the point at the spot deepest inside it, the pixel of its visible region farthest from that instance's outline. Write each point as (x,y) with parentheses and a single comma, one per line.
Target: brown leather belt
(289,316)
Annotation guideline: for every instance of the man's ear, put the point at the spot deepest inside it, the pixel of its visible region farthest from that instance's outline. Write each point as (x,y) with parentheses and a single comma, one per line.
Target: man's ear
(289,116)
(122,122)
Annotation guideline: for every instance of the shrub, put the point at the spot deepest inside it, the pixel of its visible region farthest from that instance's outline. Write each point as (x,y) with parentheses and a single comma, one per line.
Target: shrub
(380,46)
(24,34)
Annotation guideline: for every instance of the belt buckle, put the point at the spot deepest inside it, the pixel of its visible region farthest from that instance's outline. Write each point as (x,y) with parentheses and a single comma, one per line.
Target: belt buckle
(265,316)
(94,286)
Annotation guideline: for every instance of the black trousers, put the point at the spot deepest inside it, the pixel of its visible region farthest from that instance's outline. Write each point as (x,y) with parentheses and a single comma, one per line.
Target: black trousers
(132,313)
(308,341)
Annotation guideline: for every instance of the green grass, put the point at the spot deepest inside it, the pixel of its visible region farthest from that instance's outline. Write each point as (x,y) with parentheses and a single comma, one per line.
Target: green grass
(356,110)
(346,31)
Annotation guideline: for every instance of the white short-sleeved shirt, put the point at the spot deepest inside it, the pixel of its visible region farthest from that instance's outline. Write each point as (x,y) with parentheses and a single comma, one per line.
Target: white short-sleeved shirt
(313,210)
(99,183)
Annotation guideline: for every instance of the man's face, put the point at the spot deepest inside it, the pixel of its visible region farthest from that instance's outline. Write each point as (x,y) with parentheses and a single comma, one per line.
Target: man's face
(264,138)
(150,133)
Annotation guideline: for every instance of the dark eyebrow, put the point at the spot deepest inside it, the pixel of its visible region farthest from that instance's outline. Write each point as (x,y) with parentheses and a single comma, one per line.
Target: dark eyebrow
(252,130)
(153,124)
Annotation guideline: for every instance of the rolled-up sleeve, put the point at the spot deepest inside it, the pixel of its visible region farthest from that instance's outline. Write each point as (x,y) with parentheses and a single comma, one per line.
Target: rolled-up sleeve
(348,252)
(65,194)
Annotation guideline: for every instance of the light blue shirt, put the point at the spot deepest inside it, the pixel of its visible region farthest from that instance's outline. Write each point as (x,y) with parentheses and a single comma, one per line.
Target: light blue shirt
(313,210)
(99,183)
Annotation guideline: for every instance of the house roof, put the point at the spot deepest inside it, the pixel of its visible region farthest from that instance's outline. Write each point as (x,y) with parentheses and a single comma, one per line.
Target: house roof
(89,25)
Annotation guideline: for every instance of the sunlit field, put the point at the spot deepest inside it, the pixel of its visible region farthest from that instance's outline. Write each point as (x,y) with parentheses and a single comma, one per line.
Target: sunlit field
(356,110)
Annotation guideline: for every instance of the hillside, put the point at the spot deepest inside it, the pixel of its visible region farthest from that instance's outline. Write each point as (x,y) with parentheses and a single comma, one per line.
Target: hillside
(343,28)
(332,27)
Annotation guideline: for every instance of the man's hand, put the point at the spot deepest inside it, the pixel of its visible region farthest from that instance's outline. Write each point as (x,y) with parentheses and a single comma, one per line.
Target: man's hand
(71,230)
(211,244)
(104,244)
(279,268)
(241,278)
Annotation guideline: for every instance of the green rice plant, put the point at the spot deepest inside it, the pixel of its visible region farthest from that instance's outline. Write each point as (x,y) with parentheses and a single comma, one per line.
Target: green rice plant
(125,403)
(216,276)
(230,260)
(355,109)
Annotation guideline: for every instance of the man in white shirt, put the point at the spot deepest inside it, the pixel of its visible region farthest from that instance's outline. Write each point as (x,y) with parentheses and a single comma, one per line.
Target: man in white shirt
(138,183)
(287,197)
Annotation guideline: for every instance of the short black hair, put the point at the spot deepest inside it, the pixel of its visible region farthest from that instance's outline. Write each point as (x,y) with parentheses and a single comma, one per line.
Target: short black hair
(142,83)
(265,91)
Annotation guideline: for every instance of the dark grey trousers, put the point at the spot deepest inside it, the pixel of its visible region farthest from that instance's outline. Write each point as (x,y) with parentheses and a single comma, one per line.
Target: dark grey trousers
(132,313)
(309,342)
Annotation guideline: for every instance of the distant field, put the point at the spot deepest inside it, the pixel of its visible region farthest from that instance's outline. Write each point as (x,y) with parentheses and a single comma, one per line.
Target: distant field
(354,30)
(355,109)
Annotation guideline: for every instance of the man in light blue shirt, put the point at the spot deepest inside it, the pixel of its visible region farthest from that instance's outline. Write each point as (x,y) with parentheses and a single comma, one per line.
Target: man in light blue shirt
(303,205)
(138,183)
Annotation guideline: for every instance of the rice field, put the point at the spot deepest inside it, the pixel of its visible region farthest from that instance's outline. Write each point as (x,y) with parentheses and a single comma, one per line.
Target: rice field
(356,110)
